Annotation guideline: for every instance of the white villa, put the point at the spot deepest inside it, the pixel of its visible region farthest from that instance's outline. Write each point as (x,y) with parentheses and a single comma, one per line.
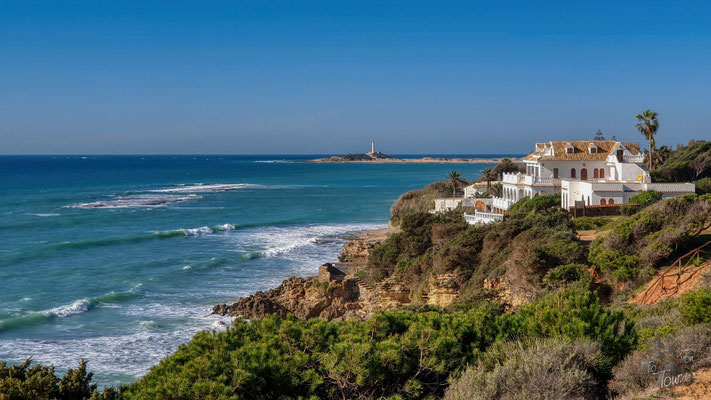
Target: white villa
(596,173)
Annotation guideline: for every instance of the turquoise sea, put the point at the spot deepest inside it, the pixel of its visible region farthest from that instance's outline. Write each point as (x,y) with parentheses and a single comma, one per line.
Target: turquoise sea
(119,259)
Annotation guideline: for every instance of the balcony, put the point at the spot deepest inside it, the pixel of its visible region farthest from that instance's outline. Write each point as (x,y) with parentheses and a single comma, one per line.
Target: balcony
(638,159)
(513,178)
(519,178)
(537,180)
(501,203)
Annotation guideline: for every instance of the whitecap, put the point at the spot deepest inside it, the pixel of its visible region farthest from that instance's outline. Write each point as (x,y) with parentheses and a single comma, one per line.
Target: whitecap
(204,230)
(77,307)
(204,188)
(187,267)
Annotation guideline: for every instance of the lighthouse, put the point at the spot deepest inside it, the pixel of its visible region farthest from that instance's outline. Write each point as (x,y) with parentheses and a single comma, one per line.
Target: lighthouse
(372,147)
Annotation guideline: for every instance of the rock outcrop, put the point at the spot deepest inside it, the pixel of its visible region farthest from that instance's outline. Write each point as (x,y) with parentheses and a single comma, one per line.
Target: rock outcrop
(304,298)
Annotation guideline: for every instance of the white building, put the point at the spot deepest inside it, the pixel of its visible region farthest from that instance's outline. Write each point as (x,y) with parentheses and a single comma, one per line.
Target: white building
(594,172)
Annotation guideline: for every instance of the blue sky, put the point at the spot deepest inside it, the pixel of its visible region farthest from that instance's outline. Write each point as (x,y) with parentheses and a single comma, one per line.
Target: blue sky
(327,77)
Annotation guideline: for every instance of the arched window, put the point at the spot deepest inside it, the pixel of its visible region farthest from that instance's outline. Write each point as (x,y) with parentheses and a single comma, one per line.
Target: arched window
(611,202)
(603,202)
(595,173)
(602,173)
(572,172)
(584,174)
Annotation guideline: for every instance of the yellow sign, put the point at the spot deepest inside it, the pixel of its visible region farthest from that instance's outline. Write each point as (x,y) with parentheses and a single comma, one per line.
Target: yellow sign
(639,177)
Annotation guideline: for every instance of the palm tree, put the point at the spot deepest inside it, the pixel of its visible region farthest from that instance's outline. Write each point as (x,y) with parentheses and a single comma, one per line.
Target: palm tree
(488,174)
(454,179)
(648,126)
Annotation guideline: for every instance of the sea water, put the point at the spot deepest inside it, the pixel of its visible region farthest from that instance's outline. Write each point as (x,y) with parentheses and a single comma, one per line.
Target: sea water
(119,259)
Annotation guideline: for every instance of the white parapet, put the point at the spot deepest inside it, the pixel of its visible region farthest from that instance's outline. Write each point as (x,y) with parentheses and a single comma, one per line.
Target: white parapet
(480,218)
(637,159)
(501,203)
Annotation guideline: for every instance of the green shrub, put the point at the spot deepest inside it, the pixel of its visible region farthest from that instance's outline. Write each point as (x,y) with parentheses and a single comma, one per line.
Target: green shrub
(696,307)
(622,267)
(546,203)
(703,186)
(567,273)
(406,353)
(575,313)
(541,369)
(646,197)
(589,223)
(26,382)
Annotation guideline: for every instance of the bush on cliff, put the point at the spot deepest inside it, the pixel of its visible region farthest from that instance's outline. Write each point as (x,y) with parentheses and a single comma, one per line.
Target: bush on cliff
(696,307)
(590,223)
(35,382)
(420,200)
(685,164)
(396,352)
(539,369)
(643,241)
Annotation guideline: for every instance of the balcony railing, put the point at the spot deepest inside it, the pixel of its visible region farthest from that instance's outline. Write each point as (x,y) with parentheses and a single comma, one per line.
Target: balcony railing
(519,178)
(501,203)
(482,218)
(513,178)
(638,159)
(537,180)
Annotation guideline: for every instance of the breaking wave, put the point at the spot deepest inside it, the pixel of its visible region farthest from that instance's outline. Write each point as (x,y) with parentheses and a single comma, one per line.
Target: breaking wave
(183,232)
(76,307)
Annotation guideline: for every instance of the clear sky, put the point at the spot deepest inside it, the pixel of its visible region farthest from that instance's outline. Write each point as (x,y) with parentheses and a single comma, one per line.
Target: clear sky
(328,76)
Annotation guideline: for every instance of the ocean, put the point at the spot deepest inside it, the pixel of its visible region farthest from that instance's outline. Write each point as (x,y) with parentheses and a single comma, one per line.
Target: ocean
(119,259)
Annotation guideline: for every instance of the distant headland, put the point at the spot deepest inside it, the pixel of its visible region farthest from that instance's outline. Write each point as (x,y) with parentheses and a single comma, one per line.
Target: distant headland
(379,157)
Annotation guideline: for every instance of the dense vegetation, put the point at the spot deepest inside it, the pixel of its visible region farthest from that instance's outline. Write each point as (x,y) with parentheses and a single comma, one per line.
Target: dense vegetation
(688,163)
(639,243)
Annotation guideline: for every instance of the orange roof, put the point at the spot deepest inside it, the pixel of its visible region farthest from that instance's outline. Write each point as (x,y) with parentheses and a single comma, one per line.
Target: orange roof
(580,150)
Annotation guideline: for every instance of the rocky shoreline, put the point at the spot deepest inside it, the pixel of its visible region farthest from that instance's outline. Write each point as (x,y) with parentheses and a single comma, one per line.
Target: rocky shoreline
(334,294)
(338,293)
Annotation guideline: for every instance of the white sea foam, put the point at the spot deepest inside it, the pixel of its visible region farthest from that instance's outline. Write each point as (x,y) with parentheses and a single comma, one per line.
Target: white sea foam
(137,200)
(187,267)
(77,307)
(284,241)
(205,230)
(46,214)
(204,188)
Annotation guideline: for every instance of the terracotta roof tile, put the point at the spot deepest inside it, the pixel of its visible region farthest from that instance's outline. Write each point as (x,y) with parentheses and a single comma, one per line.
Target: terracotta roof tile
(580,150)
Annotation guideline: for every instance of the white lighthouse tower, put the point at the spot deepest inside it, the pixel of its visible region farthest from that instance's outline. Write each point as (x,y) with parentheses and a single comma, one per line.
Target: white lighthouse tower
(372,147)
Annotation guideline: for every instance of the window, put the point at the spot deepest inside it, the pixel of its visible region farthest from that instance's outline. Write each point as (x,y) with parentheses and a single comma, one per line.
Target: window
(555,173)
(602,173)
(593,150)
(584,174)
(569,150)
(595,173)
(611,202)
(572,172)
(603,202)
